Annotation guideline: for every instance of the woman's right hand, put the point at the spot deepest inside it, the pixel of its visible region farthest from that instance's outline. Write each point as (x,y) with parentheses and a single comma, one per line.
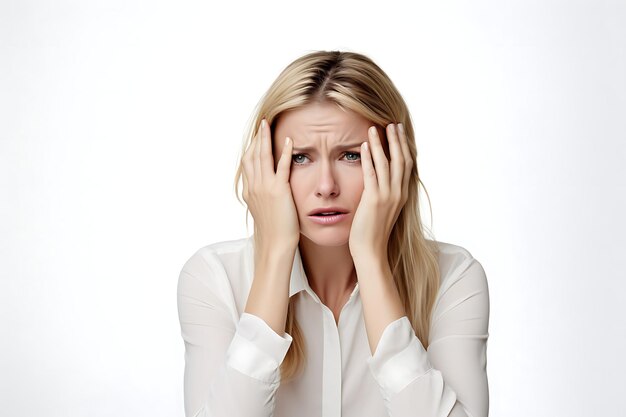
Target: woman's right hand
(268,193)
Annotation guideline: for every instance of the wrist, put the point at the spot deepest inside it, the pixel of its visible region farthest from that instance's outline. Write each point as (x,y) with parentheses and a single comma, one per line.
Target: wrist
(274,255)
(368,261)
(273,246)
(368,255)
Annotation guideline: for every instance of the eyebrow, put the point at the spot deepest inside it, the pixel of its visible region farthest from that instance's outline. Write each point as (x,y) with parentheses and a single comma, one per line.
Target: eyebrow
(341,147)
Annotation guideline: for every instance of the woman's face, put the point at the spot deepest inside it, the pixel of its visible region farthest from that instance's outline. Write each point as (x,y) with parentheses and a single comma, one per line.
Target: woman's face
(325,168)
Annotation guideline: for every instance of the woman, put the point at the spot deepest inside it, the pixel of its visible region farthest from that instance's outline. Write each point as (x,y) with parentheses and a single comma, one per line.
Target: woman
(338,305)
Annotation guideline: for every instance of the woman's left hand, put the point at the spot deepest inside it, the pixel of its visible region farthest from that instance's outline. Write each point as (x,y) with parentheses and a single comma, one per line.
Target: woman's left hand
(384,194)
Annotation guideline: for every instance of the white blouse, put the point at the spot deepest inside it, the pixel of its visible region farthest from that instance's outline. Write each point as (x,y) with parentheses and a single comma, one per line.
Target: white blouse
(232,358)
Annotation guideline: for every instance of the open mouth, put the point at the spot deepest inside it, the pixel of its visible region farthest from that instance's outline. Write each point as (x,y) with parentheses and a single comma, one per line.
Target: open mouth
(328,218)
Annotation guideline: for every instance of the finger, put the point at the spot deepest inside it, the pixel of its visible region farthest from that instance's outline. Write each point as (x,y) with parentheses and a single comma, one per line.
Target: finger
(397,158)
(248,165)
(257,153)
(284,162)
(380,160)
(267,159)
(370,182)
(408,160)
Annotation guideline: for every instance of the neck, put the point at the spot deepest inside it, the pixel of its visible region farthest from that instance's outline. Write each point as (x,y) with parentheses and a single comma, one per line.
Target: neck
(329,270)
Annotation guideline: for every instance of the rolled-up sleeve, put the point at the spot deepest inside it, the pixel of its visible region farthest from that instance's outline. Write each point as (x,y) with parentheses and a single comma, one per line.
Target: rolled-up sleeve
(450,378)
(231,365)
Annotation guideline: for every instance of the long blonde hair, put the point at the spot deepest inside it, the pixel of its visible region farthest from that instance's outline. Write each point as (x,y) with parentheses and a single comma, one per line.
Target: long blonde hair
(354,82)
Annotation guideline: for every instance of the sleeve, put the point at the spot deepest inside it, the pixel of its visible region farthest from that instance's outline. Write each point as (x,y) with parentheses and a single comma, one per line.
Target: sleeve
(450,379)
(231,368)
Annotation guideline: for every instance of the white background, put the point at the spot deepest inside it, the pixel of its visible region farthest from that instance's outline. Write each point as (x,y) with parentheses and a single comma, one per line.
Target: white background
(120,128)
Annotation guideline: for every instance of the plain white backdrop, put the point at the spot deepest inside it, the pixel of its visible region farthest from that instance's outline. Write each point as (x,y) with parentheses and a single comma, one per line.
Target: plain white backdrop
(120,130)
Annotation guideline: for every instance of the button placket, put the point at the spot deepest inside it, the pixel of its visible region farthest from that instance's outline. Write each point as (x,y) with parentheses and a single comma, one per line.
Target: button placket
(331,372)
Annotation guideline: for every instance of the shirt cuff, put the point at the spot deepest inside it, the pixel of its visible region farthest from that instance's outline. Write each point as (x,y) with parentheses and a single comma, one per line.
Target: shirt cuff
(399,358)
(257,350)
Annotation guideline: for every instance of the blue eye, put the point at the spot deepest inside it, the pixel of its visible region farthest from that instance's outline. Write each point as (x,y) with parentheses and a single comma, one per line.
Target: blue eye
(356,155)
(295,157)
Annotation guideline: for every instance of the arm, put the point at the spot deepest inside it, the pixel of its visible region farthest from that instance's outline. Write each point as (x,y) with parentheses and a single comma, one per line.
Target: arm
(231,364)
(269,294)
(448,380)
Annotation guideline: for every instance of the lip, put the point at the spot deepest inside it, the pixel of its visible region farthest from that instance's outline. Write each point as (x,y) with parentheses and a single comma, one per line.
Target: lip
(328,220)
(327,210)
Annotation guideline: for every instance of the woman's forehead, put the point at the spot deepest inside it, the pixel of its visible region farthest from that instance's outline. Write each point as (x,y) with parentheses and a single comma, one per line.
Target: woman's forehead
(314,122)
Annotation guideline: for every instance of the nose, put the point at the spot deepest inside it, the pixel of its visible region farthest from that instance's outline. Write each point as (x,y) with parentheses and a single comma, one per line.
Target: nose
(327,185)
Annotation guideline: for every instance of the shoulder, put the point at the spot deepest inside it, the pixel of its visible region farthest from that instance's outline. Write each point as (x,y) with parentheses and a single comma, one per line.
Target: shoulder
(211,262)
(462,302)
(456,266)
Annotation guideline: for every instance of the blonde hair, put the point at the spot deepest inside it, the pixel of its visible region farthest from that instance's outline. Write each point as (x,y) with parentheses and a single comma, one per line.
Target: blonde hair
(354,82)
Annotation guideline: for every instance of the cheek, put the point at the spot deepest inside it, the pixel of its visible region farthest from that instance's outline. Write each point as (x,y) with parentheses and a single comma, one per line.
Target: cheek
(352,182)
(298,188)
(357,185)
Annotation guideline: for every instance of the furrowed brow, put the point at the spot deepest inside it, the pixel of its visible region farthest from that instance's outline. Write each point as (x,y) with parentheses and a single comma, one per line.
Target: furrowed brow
(340,147)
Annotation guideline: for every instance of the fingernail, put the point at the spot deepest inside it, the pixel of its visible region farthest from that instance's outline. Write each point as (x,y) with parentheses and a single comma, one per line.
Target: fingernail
(287,141)
(366,146)
(263,124)
(401,127)
(373,130)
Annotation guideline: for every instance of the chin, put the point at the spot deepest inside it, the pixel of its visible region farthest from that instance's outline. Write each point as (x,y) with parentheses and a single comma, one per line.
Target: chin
(328,237)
